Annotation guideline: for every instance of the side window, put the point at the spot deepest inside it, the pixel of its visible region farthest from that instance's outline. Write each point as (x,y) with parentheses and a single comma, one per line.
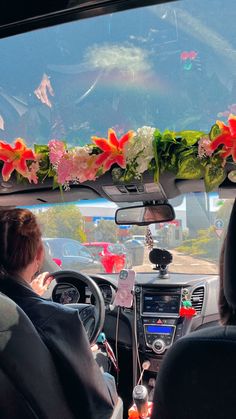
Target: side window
(47,249)
(71,249)
(117,249)
(85,252)
(111,248)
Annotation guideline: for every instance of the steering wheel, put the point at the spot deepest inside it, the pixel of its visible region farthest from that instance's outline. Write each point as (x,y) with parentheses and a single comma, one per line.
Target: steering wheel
(92,316)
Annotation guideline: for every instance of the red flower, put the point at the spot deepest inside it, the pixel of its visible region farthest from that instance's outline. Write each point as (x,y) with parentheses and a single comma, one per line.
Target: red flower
(112,149)
(227,138)
(15,158)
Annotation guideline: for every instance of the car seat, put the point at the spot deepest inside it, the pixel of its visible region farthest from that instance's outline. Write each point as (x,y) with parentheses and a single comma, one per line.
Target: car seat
(29,385)
(198,375)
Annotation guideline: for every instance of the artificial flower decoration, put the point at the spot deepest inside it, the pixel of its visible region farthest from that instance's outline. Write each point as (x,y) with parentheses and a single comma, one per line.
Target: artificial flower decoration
(186,154)
(113,149)
(227,138)
(15,158)
(75,165)
(204,147)
(139,151)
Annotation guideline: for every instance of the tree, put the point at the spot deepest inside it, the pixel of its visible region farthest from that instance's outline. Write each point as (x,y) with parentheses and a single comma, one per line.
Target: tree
(107,231)
(63,221)
(224,212)
(138,230)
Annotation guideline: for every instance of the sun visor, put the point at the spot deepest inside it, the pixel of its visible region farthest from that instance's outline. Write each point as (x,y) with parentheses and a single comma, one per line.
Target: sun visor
(229,260)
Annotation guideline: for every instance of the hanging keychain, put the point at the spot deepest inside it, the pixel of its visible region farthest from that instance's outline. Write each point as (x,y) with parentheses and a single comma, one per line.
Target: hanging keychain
(102,340)
(186,309)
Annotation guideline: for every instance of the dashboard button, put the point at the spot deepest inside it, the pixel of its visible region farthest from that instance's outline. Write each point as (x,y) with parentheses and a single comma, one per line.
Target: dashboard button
(158,346)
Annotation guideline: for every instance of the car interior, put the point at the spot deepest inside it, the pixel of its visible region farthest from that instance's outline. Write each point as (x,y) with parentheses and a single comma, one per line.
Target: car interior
(70,71)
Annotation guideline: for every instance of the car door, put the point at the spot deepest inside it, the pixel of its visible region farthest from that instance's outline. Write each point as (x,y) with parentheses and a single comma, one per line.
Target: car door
(76,257)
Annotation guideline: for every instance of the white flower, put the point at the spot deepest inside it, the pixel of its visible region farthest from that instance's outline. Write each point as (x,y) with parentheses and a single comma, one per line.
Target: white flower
(139,150)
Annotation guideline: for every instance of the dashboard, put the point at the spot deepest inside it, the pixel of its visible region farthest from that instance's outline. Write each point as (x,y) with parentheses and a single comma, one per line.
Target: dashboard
(156,318)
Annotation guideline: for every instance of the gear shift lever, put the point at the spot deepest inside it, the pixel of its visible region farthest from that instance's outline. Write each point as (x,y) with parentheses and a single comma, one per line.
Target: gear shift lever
(140,397)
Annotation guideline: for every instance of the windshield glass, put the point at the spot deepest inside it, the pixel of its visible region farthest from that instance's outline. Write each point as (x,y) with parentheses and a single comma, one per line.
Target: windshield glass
(169,66)
(84,236)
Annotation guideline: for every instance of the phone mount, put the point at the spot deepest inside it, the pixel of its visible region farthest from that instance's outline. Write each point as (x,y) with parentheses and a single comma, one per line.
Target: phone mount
(161,258)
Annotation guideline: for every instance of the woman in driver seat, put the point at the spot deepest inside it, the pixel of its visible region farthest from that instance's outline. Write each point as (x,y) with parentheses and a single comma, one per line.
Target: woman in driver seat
(89,393)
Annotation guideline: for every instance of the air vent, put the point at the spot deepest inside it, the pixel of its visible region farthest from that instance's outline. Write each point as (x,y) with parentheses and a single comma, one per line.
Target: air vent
(197,299)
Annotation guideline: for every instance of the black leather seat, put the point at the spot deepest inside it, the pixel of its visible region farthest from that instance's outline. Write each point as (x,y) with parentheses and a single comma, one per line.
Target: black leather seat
(197,379)
(29,386)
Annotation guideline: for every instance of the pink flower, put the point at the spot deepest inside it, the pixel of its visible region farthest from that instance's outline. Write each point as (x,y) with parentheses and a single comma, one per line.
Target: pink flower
(56,151)
(65,165)
(204,147)
(77,165)
(85,165)
(32,174)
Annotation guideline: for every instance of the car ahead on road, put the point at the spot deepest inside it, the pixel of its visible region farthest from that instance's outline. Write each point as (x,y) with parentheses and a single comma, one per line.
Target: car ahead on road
(141,238)
(71,254)
(113,256)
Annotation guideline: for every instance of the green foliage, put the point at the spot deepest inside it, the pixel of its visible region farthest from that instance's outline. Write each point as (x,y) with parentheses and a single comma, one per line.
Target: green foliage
(63,221)
(214,176)
(224,212)
(214,132)
(106,231)
(137,230)
(205,245)
(190,168)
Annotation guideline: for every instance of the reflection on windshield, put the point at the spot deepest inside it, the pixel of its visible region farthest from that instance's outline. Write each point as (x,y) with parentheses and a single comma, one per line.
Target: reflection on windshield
(169,66)
(84,236)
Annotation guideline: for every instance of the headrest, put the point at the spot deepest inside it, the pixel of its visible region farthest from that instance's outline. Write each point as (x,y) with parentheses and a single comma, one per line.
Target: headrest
(230,261)
(197,377)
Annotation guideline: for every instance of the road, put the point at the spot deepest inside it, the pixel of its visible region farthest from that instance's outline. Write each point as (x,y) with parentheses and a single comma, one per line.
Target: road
(182,264)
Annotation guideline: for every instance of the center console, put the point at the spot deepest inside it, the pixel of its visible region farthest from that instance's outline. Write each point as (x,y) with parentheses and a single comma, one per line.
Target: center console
(158,320)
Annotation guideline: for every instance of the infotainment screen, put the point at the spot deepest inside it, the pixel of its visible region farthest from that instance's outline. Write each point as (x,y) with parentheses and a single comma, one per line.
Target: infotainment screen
(158,303)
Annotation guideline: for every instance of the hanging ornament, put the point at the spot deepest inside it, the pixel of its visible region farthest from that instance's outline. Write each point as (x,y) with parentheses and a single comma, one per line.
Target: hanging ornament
(186,309)
(149,239)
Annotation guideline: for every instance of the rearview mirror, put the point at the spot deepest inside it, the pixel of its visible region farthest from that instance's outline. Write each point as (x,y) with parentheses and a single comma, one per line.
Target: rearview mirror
(145,215)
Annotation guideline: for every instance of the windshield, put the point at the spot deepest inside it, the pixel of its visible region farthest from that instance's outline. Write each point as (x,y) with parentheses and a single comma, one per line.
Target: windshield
(84,236)
(169,66)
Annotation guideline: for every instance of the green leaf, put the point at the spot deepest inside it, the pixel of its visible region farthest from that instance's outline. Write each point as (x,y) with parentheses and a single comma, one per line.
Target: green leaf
(99,172)
(168,137)
(214,176)
(187,153)
(214,132)
(190,168)
(55,184)
(189,138)
(41,149)
(157,135)
(157,169)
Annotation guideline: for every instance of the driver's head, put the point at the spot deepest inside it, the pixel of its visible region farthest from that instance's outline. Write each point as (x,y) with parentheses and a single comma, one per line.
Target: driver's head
(227,314)
(21,245)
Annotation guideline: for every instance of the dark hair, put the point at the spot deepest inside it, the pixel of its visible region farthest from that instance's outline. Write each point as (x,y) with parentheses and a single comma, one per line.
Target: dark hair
(227,314)
(20,237)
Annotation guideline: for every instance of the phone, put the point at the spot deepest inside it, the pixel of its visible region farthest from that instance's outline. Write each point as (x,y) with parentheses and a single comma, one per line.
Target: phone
(124,295)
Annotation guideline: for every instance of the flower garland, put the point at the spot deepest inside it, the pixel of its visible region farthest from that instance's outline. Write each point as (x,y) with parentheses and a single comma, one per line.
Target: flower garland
(187,154)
